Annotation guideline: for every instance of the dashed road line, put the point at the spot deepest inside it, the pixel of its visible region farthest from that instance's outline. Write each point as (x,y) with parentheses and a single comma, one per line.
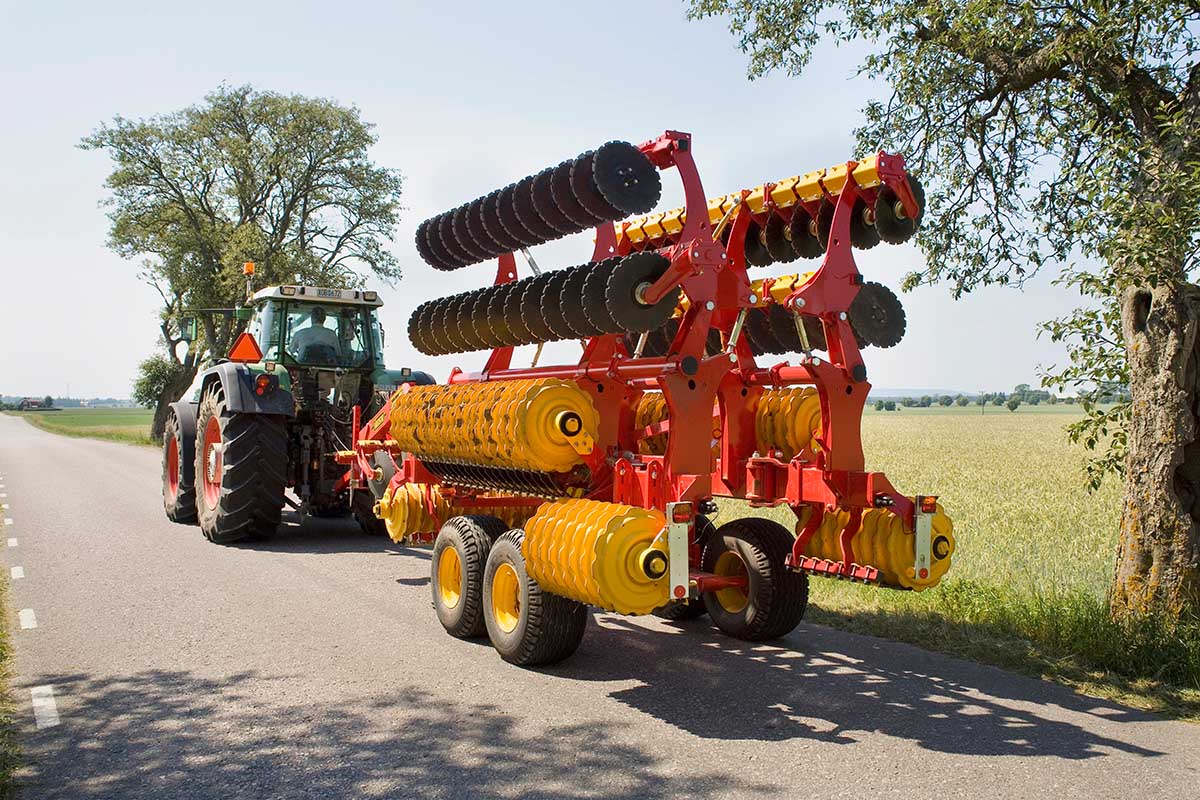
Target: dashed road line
(12,541)
(45,710)
(28,618)
(18,572)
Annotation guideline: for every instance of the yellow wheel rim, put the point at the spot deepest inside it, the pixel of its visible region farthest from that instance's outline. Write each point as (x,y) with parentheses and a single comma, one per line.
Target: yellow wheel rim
(450,577)
(506,598)
(730,565)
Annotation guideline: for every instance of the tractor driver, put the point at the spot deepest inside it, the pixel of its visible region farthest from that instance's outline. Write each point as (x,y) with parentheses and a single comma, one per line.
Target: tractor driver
(316,335)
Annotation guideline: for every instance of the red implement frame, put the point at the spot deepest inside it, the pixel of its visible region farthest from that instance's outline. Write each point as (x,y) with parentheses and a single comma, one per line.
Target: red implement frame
(719,392)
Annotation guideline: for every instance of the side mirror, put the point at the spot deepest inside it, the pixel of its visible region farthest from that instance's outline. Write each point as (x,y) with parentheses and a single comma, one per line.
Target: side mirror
(188,329)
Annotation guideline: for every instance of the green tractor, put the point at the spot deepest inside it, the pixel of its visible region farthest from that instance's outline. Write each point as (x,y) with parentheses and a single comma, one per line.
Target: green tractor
(269,419)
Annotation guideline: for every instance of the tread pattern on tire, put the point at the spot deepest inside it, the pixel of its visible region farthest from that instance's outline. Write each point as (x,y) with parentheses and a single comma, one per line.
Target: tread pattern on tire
(254,462)
(781,595)
(183,510)
(475,534)
(554,626)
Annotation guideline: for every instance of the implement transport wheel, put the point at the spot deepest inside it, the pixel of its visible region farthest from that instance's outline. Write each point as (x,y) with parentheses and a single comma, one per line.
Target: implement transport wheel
(179,477)
(774,600)
(527,626)
(241,464)
(693,607)
(459,557)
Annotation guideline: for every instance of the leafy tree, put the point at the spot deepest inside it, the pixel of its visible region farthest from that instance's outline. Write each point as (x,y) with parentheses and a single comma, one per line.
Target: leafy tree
(282,180)
(890,405)
(1049,132)
(962,401)
(1013,404)
(925,402)
(1052,400)
(47,402)
(945,400)
(879,405)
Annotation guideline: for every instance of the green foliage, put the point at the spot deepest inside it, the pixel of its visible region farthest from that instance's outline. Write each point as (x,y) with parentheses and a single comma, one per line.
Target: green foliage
(282,180)
(889,405)
(945,400)
(1046,134)
(154,375)
(1013,404)
(962,401)
(47,402)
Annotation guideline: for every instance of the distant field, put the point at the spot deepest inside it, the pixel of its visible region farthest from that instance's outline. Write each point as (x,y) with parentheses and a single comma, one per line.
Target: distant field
(130,425)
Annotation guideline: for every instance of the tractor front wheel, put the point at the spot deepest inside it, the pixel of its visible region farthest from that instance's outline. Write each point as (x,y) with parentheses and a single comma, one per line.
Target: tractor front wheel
(241,465)
(774,598)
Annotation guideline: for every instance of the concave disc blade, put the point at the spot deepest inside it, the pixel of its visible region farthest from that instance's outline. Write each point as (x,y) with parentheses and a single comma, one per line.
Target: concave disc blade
(489,218)
(824,222)
(445,233)
(532,311)
(444,261)
(564,197)
(595,298)
(804,238)
(891,220)
(508,218)
(756,251)
(477,230)
(877,316)
(527,213)
(458,226)
(571,301)
(633,273)
(778,239)
(783,328)
(423,249)
(552,307)
(863,234)
(546,208)
(625,178)
(514,316)
(583,185)
(758,330)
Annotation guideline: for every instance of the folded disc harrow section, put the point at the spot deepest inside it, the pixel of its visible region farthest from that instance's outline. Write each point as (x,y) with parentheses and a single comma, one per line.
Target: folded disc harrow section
(595,187)
(604,469)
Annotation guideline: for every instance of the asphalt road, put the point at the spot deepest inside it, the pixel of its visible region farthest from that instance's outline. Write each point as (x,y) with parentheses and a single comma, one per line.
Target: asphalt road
(313,666)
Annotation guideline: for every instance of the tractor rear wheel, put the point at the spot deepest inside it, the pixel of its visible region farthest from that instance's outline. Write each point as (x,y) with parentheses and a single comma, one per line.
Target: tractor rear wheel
(775,597)
(241,464)
(459,558)
(527,626)
(179,478)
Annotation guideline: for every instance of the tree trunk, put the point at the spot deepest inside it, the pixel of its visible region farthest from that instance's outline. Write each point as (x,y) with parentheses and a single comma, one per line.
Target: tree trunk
(170,393)
(1158,556)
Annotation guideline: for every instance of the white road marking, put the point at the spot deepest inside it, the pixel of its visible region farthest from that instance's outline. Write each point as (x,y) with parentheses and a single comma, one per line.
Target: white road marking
(28,618)
(18,572)
(12,542)
(45,710)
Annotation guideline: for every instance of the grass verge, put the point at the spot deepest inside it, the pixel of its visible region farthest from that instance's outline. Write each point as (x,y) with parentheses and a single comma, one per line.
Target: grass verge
(128,425)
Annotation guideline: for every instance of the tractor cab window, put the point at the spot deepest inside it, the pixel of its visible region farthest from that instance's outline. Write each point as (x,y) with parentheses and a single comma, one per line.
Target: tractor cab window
(327,335)
(265,329)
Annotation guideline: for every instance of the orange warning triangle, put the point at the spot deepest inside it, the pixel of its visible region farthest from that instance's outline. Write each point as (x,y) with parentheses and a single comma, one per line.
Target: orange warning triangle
(245,349)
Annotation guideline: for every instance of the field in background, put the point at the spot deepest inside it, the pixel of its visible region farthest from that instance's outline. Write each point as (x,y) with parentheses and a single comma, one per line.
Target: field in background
(130,425)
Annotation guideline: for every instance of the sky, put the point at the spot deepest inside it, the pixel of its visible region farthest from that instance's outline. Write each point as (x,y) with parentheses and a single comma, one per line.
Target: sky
(465,97)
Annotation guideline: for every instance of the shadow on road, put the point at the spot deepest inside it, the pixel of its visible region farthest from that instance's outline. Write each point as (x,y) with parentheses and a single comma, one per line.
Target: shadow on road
(828,686)
(172,735)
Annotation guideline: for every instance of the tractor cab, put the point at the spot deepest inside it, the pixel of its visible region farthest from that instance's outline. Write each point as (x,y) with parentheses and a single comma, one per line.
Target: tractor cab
(317,328)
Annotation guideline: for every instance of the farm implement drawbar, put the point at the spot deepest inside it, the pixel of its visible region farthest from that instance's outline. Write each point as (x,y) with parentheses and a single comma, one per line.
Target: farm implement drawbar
(549,488)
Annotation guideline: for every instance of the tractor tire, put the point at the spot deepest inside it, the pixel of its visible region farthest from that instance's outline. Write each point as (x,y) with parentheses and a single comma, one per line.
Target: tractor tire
(775,597)
(693,607)
(528,626)
(459,558)
(241,464)
(179,477)
(364,514)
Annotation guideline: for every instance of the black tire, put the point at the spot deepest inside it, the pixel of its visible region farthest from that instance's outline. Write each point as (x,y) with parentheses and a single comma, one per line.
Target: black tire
(776,597)
(469,540)
(692,608)
(249,480)
(363,506)
(543,628)
(179,477)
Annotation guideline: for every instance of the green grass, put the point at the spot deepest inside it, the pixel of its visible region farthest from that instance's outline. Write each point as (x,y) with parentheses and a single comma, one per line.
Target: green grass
(1035,553)
(130,425)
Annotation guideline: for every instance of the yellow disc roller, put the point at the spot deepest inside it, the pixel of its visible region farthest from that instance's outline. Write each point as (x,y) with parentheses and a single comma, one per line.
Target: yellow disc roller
(404,511)
(883,542)
(604,554)
(542,425)
(786,420)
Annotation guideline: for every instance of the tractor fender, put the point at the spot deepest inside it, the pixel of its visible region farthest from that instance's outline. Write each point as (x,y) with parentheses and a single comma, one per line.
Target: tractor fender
(238,382)
(185,412)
